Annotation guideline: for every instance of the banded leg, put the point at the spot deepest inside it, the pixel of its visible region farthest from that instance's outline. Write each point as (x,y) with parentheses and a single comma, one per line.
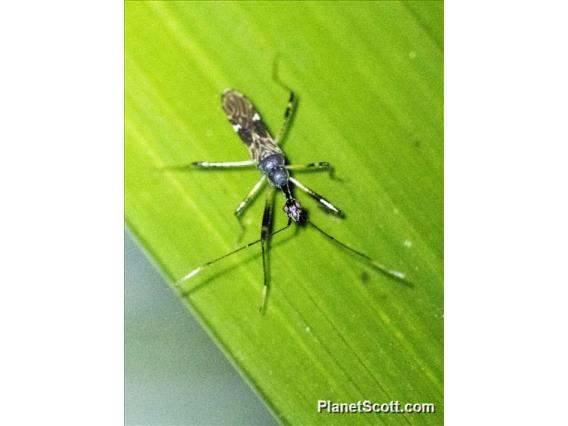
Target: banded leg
(314,167)
(401,276)
(255,189)
(325,203)
(223,165)
(290,108)
(322,165)
(212,165)
(265,244)
(319,166)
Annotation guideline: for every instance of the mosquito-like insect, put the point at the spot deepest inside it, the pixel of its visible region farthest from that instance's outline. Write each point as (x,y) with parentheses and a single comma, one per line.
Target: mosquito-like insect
(268,157)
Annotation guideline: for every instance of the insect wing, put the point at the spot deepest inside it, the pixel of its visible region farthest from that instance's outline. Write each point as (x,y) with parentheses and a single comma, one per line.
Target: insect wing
(244,118)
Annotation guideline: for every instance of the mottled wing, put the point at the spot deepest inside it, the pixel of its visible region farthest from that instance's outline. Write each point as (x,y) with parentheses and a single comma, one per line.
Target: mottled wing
(248,124)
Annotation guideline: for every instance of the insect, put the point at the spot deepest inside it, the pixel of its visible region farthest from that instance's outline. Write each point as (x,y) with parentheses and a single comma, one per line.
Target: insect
(268,157)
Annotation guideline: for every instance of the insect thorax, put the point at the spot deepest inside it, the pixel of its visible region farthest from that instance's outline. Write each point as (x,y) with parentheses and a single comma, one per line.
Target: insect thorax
(272,166)
(259,149)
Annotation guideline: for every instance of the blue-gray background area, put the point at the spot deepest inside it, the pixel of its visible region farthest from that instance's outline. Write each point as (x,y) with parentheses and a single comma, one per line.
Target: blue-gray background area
(174,374)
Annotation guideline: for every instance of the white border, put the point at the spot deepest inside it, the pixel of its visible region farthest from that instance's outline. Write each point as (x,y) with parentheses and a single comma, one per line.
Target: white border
(62,223)
(506,213)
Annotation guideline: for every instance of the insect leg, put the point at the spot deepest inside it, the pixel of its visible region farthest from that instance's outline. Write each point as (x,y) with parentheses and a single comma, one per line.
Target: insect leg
(325,203)
(322,165)
(197,270)
(319,166)
(392,273)
(265,244)
(255,189)
(290,108)
(223,165)
(212,165)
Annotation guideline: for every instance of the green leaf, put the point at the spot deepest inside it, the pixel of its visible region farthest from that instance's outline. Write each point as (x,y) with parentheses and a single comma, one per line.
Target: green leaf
(370,81)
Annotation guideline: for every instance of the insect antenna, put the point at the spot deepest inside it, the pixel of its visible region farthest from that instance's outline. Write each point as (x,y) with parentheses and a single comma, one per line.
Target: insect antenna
(391,273)
(197,270)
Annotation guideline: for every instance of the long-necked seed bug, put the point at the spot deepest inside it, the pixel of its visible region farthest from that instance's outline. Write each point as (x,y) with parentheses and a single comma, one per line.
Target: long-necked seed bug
(269,158)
